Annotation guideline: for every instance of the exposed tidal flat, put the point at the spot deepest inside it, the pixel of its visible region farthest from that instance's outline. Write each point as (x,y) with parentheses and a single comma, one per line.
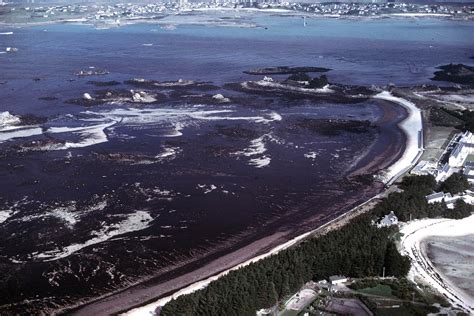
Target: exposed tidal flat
(155,163)
(454,256)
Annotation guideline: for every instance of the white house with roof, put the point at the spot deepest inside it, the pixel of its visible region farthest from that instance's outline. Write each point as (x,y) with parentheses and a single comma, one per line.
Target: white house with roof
(438,197)
(337,279)
(388,220)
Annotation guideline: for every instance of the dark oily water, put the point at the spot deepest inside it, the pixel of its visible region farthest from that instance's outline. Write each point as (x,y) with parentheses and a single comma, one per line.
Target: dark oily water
(102,187)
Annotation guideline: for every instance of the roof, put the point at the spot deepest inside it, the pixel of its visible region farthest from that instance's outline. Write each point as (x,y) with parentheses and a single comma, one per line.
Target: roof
(457,150)
(445,168)
(337,278)
(435,196)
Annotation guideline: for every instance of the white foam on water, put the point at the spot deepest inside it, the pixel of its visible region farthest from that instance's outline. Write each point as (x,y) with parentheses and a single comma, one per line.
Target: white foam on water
(311,155)
(5,214)
(260,162)
(19,132)
(168,153)
(257,149)
(178,118)
(65,214)
(7,119)
(133,222)
(90,135)
(277,85)
(206,188)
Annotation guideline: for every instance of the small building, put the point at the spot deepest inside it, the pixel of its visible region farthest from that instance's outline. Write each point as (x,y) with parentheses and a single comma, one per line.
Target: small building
(323,284)
(337,279)
(388,220)
(267,312)
(436,197)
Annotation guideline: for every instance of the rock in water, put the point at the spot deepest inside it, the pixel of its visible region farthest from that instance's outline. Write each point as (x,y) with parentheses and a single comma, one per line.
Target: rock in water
(87,96)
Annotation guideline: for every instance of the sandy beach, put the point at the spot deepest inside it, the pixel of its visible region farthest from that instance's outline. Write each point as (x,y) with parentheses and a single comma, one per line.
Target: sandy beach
(423,270)
(412,126)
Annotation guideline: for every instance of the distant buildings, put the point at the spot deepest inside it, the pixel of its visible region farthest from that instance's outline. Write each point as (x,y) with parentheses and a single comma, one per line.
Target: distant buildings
(455,159)
(450,200)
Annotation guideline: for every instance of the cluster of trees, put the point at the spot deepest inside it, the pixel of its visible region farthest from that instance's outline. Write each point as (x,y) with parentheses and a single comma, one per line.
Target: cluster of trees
(463,120)
(359,249)
(461,210)
(411,203)
(456,183)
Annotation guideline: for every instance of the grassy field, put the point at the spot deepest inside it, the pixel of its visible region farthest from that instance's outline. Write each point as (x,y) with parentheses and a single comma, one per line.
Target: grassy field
(288,312)
(406,309)
(380,290)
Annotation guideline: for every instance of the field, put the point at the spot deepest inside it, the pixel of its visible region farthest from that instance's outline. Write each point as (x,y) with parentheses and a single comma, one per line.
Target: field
(379,290)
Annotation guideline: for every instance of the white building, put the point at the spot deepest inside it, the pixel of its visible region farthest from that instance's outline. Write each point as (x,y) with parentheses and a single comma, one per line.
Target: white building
(388,220)
(443,173)
(438,197)
(337,279)
(463,148)
(458,156)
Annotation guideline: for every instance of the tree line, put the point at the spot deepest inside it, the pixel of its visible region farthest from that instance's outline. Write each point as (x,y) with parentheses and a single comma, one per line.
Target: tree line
(358,249)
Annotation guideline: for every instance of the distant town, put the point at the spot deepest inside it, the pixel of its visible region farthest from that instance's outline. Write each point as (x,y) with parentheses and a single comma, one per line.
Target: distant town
(115,13)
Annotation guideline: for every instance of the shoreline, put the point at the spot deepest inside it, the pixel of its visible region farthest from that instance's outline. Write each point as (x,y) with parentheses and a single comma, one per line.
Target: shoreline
(411,141)
(412,126)
(147,291)
(160,20)
(339,221)
(413,244)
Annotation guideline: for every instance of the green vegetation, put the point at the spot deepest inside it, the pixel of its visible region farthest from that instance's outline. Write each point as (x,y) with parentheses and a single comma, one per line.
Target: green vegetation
(461,120)
(445,117)
(379,289)
(318,82)
(358,249)
(300,76)
(412,200)
(455,183)
(461,210)
(397,288)
(406,309)
(457,73)
(395,292)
